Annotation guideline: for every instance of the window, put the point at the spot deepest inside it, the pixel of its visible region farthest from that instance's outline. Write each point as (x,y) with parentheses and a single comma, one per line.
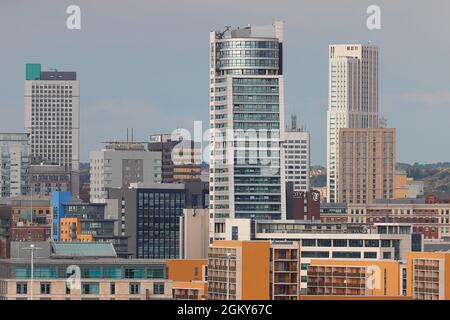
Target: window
(158,288)
(135,288)
(21,288)
(45,288)
(387,255)
(112,288)
(370,255)
(234,233)
(90,288)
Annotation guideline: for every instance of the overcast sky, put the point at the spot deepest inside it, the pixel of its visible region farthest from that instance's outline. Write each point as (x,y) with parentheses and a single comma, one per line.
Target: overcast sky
(144,64)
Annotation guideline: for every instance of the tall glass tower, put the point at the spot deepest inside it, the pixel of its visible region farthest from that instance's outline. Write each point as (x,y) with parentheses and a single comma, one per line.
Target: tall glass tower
(246,121)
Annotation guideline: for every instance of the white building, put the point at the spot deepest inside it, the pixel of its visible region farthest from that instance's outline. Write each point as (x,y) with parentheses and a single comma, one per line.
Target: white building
(119,165)
(14,164)
(247,122)
(52,118)
(296,149)
(353,99)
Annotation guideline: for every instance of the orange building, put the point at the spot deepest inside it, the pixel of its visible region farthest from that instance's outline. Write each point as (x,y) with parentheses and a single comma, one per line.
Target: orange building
(376,278)
(71,230)
(186,270)
(428,275)
(189,279)
(239,270)
(400,185)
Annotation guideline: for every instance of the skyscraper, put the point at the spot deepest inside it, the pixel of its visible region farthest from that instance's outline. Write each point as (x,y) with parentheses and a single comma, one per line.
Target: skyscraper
(52,118)
(352,99)
(247,123)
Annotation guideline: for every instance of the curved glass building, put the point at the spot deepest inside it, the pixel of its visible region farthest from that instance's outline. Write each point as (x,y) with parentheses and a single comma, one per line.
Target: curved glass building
(246,121)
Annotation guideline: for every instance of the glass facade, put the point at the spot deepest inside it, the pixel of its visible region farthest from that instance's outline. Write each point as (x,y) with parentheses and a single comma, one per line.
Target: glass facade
(246,86)
(158,225)
(156,271)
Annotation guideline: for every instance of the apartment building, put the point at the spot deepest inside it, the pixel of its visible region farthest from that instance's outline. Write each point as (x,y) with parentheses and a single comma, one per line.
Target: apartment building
(239,270)
(331,277)
(285,270)
(352,100)
(247,124)
(428,275)
(331,241)
(189,278)
(367,160)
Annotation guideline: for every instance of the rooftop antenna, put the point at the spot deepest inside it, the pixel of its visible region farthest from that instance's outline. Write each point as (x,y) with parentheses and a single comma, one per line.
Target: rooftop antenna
(132,135)
(127,134)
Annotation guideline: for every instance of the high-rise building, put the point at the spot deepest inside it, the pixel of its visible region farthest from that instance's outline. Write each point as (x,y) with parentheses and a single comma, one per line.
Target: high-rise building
(247,124)
(52,118)
(352,99)
(366,165)
(14,164)
(296,157)
(119,164)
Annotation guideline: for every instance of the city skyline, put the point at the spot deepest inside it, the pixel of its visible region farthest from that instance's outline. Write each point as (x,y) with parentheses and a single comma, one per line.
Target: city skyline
(114,92)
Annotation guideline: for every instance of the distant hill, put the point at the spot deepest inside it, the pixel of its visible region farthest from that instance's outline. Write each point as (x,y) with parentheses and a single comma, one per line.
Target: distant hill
(436,176)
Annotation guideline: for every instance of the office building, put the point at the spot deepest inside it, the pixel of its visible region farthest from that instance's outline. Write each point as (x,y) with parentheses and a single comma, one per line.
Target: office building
(52,118)
(181,159)
(247,125)
(352,100)
(149,215)
(367,160)
(14,164)
(296,148)
(119,164)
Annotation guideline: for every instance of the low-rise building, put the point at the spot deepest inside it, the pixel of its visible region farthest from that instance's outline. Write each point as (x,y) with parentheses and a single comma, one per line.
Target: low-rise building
(94,273)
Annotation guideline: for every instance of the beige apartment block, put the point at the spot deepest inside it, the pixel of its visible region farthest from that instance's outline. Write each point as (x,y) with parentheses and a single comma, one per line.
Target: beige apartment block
(366,165)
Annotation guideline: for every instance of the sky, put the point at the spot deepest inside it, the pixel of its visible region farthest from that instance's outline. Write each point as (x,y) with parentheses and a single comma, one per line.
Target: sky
(144,64)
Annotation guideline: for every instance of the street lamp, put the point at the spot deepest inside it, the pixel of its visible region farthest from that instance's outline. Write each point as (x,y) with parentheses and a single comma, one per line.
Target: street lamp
(32,247)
